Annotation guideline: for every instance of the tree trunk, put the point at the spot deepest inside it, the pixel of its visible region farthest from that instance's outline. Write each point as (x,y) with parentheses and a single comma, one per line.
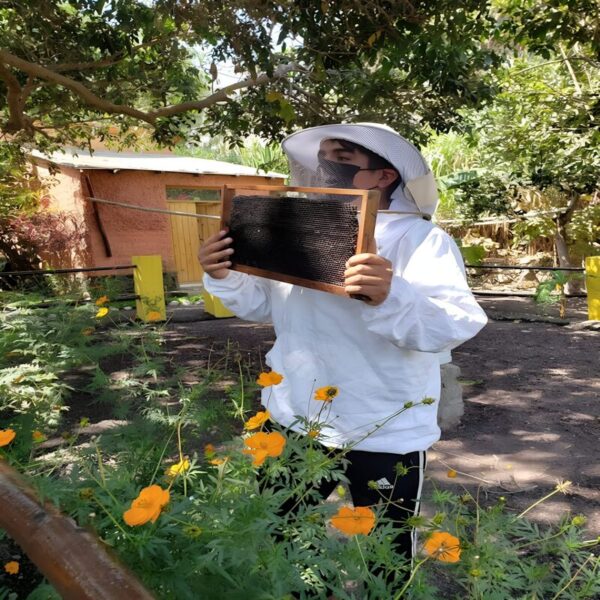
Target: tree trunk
(560,242)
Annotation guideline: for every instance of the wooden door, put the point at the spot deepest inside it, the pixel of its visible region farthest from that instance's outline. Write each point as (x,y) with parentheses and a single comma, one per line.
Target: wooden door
(188,233)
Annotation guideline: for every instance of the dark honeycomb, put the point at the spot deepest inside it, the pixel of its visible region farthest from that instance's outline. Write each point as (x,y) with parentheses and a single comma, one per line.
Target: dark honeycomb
(306,238)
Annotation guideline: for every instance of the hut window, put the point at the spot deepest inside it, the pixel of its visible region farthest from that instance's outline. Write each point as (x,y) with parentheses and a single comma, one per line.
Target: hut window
(195,194)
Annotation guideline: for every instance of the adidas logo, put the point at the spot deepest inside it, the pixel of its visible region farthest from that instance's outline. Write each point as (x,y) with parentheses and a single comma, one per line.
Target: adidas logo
(384,484)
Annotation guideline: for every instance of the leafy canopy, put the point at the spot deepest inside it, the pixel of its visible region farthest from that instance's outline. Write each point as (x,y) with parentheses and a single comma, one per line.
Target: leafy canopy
(71,69)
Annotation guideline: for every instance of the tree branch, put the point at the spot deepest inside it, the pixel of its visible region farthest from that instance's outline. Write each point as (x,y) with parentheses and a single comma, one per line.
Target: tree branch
(79,89)
(91,99)
(222,94)
(16,119)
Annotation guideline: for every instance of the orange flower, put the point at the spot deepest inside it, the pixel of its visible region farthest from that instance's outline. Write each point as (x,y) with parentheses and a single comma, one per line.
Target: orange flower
(209,450)
(451,473)
(258,420)
(352,521)
(6,436)
(443,546)
(177,469)
(147,506)
(219,461)
(102,300)
(268,379)
(260,445)
(38,436)
(313,433)
(154,315)
(12,567)
(327,393)
(102,312)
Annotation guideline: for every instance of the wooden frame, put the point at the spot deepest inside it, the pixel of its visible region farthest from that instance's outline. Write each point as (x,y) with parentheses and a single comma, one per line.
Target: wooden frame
(366,228)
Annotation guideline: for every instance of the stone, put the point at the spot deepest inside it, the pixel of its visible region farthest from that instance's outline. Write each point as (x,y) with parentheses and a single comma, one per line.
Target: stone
(451,408)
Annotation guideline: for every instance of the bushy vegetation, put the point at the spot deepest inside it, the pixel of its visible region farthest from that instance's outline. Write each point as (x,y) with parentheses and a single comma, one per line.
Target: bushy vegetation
(190,516)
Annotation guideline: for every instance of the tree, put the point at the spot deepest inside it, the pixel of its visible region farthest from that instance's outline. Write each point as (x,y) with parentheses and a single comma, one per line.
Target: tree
(538,146)
(70,68)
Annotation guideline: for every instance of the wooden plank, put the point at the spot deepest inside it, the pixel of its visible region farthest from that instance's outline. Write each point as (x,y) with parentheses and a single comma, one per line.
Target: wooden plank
(185,243)
(309,283)
(227,195)
(367,219)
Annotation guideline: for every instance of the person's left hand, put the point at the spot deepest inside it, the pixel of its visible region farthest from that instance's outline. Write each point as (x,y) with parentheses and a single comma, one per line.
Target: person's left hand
(368,275)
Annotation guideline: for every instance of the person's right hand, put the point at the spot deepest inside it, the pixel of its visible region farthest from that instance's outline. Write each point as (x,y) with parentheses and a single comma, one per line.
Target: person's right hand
(214,255)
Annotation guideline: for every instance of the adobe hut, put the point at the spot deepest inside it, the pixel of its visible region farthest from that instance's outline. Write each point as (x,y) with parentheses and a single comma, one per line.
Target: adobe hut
(114,234)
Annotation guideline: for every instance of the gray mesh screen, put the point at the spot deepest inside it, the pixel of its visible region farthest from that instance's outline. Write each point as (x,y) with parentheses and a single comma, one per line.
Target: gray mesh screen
(307,238)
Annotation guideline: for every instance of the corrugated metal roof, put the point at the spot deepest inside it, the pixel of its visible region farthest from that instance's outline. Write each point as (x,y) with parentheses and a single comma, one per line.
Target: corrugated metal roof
(131,161)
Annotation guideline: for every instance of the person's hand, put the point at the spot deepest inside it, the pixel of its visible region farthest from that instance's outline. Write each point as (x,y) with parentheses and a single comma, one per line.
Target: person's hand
(214,255)
(368,277)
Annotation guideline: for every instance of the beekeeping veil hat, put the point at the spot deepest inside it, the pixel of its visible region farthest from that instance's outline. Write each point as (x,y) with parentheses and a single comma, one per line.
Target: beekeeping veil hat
(417,191)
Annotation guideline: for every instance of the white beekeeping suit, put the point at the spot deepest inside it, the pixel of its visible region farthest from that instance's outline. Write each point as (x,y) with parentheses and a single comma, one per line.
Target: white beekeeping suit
(380,357)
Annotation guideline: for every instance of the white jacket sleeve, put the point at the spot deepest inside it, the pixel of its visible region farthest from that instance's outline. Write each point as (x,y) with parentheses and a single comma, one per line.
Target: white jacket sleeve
(247,296)
(430,307)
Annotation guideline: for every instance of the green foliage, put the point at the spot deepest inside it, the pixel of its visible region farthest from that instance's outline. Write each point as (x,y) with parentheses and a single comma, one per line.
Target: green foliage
(254,152)
(224,532)
(18,188)
(128,62)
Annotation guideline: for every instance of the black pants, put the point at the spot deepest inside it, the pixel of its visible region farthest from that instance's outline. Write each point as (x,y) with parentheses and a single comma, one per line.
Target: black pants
(398,479)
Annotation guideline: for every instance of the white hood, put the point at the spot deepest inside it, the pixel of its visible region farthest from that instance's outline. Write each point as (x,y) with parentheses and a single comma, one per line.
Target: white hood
(417,193)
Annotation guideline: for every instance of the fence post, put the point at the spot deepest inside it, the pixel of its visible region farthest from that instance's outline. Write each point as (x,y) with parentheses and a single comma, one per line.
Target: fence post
(149,287)
(592,282)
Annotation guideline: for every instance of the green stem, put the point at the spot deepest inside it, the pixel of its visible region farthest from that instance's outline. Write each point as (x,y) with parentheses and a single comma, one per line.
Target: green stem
(179,424)
(412,576)
(590,557)
(542,540)
(117,524)
(364,562)
(552,493)
(100,465)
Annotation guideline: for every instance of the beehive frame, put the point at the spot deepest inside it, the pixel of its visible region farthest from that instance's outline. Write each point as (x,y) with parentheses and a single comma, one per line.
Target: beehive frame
(369,203)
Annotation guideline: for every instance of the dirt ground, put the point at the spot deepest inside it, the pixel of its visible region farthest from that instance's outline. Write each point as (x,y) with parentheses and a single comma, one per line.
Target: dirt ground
(532,403)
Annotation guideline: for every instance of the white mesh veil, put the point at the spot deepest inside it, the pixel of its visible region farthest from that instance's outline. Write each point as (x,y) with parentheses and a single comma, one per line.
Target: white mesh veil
(416,194)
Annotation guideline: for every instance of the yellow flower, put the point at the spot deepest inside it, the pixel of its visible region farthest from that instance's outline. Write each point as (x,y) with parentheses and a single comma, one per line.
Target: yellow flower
(219,461)
(12,567)
(147,506)
(268,379)
(258,420)
(87,331)
(154,315)
(443,546)
(6,436)
(313,433)
(102,312)
(352,521)
(451,473)
(327,393)
(102,300)
(177,469)
(38,436)
(261,444)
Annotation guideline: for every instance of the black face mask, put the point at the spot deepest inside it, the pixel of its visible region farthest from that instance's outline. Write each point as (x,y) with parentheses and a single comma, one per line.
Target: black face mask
(337,175)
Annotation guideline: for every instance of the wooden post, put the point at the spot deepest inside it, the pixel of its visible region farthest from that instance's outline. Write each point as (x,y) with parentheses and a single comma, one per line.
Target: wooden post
(149,287)
(592,282)
(75,562)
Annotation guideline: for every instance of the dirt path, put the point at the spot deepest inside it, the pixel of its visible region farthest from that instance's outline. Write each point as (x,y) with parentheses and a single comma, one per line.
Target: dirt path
(532,403)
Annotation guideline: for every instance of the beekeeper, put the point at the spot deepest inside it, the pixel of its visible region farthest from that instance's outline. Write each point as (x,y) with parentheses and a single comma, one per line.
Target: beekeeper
(381,354)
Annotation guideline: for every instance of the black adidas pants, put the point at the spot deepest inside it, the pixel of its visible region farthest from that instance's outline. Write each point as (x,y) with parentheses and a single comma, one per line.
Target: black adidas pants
(399,492)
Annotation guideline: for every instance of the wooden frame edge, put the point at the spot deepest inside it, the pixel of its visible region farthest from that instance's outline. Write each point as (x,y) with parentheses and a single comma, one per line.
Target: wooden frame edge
(364,243)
